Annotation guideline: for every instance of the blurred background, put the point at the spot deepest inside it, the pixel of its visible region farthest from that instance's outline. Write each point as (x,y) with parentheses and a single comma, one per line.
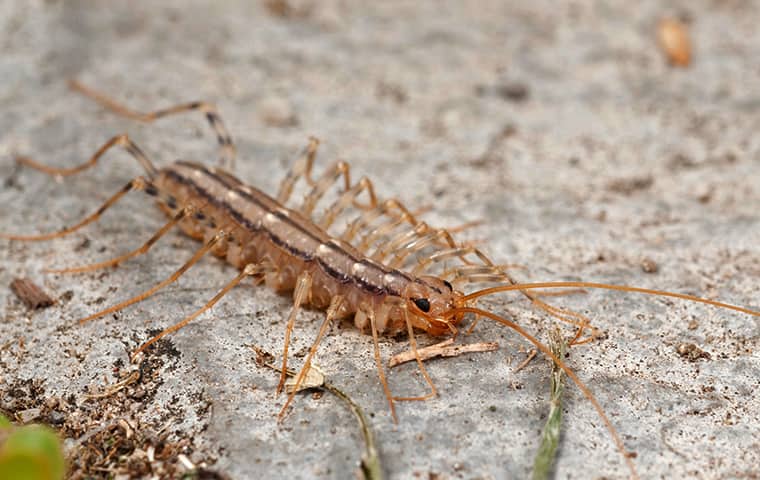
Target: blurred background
(604,141)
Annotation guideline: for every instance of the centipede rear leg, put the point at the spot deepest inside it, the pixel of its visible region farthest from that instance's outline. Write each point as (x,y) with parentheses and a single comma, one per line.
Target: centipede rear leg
(123,141)
(226,146)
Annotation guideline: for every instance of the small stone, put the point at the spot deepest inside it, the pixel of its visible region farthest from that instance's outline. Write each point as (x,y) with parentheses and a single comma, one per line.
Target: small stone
(277,112)
(28,415)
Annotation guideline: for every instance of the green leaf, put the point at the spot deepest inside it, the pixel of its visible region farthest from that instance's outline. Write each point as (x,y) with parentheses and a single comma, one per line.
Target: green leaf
(33,450)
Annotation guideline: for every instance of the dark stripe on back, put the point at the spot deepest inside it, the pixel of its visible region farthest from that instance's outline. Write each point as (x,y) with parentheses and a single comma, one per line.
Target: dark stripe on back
(245,222)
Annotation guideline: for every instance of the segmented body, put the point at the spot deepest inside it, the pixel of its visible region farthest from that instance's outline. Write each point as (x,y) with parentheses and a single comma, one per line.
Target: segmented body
(266,232)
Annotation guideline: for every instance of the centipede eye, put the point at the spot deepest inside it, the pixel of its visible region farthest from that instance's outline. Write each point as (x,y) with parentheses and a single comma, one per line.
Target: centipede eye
(422,303)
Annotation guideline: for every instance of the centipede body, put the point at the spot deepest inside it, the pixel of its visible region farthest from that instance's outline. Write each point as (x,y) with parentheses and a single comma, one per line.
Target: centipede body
(259,229)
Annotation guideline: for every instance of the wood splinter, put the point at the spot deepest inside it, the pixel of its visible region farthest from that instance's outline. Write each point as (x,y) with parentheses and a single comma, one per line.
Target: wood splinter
(442,349)
(32,295)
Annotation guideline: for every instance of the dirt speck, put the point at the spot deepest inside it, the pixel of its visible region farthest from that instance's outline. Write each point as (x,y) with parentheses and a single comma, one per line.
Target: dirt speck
(691,352)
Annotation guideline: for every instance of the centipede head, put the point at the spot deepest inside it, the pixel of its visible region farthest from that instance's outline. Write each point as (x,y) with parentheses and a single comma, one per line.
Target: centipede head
(428,304)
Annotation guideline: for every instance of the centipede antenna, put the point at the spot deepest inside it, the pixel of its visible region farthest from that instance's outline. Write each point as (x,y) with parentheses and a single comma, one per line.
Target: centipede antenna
(607,286)
(584,389)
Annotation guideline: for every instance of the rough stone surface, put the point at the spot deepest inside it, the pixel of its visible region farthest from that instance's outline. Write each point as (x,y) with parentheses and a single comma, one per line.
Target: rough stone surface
(559,124)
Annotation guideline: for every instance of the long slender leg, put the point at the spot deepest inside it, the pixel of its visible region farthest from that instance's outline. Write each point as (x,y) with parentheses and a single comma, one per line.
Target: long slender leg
(227,154)
(301,295)
(413,344)
(332,313)
(370,313)
(348,198)
(422,229)
(389,207)
(250,269)
(139,183)
(122,141)
(183,213)
(465,273)
(450,254)
(139,298)
(331,175)
(383,230)
(406,244)
(302,168)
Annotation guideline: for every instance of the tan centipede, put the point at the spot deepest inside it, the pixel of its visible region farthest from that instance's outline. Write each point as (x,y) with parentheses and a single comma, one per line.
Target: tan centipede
(386,268)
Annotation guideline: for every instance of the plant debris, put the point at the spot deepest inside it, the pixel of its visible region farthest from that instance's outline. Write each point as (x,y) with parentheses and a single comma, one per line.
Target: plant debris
(550,435)
(370,460)
(691,352)
(32,295)
(442,349)
(673,36)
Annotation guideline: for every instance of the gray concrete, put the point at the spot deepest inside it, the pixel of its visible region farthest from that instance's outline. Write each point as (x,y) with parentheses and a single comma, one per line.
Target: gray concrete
(614,157)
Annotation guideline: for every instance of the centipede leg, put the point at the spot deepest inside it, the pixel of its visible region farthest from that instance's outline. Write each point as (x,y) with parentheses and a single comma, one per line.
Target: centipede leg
(139,298)
(390,207)
(301,295)
(181,215)
(450,254)
(122,141)
(139,183)
(370,313)
(420,364)
(227,148)
(406,244)
(333,311)
(332,175)
(302,168)
(249,270)
(346,199)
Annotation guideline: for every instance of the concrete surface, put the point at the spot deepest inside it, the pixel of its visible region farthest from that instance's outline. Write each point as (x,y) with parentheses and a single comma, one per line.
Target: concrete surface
(611,157)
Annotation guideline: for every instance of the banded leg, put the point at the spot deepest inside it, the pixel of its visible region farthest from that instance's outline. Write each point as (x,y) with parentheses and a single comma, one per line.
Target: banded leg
(139,183)
(227,148)
(114,262)
(122,141)
(333,311)
(139,298)
(301,296)
(249,270)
